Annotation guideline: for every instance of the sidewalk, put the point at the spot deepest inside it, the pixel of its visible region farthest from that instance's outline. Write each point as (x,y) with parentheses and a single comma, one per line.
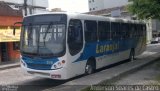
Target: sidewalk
(9,64)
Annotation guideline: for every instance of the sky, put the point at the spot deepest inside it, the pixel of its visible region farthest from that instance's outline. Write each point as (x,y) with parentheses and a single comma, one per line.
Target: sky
(70,5)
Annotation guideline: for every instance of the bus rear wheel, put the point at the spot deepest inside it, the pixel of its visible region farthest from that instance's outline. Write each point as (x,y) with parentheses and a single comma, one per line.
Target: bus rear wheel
(132,55)
(90,67)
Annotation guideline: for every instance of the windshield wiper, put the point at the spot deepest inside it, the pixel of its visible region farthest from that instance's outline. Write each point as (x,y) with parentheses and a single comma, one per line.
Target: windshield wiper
(49,26)
(30,33)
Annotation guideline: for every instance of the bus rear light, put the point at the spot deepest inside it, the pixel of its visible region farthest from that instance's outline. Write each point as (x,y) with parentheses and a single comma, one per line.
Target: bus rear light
(56,76)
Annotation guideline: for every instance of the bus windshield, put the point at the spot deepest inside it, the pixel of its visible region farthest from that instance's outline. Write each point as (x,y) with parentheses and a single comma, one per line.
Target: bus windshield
(43,38)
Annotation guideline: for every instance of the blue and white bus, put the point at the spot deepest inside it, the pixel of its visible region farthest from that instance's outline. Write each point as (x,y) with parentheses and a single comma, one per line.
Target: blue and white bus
(64,45)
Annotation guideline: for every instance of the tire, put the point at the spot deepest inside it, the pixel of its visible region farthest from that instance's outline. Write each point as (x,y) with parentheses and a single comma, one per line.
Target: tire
(90,67)
(132,55)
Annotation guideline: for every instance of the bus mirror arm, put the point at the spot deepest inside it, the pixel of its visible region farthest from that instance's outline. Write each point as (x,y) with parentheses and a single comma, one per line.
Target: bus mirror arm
(14,27)
(14,31)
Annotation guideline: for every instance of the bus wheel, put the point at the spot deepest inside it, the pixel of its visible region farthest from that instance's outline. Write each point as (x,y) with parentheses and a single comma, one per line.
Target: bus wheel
(132,55)
(90,67)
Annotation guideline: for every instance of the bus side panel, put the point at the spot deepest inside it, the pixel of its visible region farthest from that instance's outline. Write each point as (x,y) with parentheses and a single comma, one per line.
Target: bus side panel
(120,50)
(105,60)
(76,68)
(75,64)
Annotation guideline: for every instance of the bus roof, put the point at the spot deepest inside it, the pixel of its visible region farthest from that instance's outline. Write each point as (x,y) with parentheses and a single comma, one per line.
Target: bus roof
(91,17)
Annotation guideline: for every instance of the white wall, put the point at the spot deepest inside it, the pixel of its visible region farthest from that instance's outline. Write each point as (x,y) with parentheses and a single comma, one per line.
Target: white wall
(114,3)
(14,1)
(41,3)
(104,4)
(96,5)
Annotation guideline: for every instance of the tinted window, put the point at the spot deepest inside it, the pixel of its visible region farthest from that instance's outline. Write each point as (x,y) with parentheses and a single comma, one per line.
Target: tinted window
(39,19)
(126,32)
(103,30)
(75,36)
(90,31)
(115,30)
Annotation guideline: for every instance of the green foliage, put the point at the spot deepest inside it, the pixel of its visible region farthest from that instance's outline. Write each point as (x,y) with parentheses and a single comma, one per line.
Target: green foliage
(145,9)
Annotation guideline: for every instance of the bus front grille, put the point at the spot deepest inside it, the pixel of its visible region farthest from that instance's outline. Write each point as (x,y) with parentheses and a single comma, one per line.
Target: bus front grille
(39,66)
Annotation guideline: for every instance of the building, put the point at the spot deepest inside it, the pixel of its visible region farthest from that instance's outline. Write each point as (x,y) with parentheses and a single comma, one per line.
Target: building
(12,11)
(119,12)
(155,26)
(9,43)
(28,6)
(95,5)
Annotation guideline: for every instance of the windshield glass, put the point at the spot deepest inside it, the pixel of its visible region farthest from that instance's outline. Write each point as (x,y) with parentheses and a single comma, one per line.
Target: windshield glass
(46,39)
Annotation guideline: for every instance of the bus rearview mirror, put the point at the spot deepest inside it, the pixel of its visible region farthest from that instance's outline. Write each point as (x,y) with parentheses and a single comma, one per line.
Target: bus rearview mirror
(14,31)
(14,28)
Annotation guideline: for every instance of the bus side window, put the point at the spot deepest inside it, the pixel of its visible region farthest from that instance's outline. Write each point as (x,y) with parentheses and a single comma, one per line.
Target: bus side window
(115,30)
(75,36)
(90,31)
(103,30)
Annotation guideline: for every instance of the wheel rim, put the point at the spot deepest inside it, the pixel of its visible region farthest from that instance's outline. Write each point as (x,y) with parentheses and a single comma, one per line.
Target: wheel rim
(89,69)
(132,55)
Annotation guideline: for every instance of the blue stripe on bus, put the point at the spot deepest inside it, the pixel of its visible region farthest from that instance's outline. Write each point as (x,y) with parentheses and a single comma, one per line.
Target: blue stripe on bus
(39,63)
(105,48)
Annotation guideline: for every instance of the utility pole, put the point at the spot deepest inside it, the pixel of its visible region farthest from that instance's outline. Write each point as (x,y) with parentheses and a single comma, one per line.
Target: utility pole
(25,7)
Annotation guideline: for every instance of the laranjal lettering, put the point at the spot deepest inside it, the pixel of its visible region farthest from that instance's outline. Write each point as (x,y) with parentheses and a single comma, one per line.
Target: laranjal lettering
(106,48)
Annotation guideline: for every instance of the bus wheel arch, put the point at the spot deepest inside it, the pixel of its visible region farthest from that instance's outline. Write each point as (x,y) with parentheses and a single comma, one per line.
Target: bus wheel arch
(90,66)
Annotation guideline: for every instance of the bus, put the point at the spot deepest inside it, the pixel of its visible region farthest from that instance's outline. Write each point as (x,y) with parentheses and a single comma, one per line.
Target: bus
(63,45)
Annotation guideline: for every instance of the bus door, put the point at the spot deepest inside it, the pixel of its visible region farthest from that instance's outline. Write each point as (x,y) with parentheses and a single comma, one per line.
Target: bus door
(75,44)
(75,37)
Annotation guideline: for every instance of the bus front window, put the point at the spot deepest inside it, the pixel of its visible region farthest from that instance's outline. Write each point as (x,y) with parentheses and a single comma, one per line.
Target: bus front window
(43,39)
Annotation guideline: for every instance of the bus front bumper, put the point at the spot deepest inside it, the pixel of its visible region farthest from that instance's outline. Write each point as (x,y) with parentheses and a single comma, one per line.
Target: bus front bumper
(59,74)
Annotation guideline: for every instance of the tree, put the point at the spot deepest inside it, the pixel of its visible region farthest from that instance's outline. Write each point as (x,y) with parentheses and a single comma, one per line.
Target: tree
(145,9)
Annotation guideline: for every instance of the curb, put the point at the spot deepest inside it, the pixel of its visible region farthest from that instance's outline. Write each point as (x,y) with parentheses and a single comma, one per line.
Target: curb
(9,66)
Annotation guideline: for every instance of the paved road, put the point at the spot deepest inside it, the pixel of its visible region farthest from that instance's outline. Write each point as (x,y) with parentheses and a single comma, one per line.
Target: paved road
(16,77)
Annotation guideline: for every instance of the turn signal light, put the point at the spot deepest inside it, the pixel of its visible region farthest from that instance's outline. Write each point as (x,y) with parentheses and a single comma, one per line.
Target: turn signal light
(63,61)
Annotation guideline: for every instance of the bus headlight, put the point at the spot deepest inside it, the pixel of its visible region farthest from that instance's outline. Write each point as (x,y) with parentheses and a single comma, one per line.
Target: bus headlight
(59,64)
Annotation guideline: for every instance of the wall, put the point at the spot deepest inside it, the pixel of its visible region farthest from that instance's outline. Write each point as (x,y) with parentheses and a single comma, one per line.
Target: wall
(114,3)
(96,5)
(104,4)
(14,1)
(13,54)
(41,3)
(9,21)
(34,6)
